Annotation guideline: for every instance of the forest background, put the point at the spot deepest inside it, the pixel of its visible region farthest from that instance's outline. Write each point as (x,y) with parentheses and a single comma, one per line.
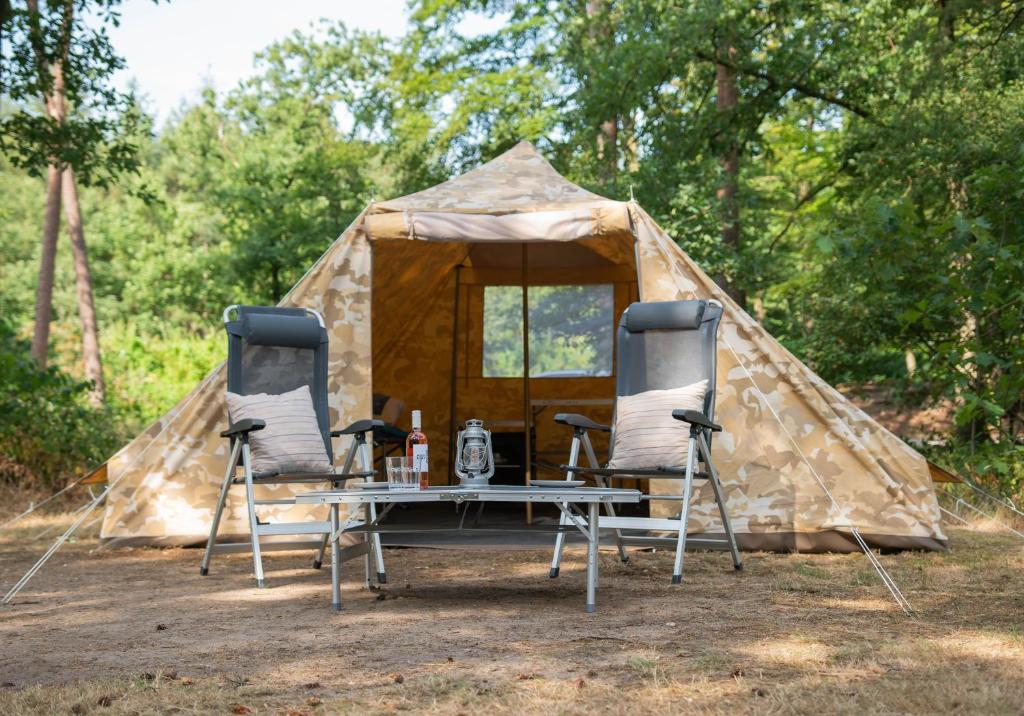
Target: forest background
(852,173)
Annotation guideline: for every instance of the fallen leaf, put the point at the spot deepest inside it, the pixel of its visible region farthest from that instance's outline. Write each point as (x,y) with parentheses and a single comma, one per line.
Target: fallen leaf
(312,685)
(398,678)
(524,677)
(737,673)
(241,709)
(759,692)
(580,683)
(105,700)
(146,676)
(451,659)
(161,627)
(314,701)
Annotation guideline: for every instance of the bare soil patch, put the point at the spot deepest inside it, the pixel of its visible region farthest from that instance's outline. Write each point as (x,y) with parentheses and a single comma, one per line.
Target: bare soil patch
(139,631)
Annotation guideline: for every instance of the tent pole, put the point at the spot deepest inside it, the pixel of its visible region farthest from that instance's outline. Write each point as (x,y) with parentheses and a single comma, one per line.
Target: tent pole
(455,364)
(528,467)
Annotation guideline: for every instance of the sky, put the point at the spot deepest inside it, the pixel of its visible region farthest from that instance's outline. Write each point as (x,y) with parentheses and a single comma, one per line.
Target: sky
(174,48)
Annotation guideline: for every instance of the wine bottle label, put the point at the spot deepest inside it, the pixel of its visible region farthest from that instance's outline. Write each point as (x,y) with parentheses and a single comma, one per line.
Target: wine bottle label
(419,458)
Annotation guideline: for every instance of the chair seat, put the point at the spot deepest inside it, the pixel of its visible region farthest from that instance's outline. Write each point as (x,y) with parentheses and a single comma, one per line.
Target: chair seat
(301,477)
(662,471)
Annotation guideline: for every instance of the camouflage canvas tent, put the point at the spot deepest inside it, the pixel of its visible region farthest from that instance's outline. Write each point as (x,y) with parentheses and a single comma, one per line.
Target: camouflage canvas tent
(402,291)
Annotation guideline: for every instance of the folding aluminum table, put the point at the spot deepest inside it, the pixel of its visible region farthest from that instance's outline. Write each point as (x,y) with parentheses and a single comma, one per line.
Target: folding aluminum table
(567,499)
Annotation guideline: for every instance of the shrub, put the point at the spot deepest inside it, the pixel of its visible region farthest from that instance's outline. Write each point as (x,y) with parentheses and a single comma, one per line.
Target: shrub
(48,430)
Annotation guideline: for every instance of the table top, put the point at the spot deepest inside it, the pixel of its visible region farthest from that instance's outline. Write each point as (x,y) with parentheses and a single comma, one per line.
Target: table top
(455,493)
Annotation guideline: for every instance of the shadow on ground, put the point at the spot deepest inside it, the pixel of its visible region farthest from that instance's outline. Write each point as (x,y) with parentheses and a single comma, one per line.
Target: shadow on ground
(139,631)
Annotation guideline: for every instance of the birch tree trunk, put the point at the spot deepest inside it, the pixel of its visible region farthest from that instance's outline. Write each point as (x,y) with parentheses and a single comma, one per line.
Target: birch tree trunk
(83,281)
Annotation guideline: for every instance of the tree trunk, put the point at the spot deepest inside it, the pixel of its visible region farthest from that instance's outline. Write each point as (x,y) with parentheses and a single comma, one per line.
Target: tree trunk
(83,281)
(726,101)
(47,260)
(55,110)
(608,133)
(947,23)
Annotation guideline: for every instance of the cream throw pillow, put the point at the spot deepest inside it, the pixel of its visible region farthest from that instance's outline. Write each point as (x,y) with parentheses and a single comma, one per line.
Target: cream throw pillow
(292,441)
(646,434)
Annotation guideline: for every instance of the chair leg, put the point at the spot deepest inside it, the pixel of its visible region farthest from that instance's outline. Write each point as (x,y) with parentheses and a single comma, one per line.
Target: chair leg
(250,498)
(684,516)
(589,449)
(556,559)
(318,561)
(204,566)
(716,486)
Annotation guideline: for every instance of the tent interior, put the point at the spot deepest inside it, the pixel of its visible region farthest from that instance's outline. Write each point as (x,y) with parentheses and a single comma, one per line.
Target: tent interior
(448,338)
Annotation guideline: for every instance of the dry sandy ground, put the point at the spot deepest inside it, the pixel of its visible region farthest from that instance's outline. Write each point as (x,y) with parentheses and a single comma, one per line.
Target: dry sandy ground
(139,631)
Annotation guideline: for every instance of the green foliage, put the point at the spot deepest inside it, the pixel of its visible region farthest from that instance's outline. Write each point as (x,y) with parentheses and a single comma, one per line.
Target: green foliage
(97,134)
(48,431)
(879,184)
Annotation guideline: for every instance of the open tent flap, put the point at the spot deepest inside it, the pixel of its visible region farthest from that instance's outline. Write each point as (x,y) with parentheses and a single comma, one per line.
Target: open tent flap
(541,226)
(429,326)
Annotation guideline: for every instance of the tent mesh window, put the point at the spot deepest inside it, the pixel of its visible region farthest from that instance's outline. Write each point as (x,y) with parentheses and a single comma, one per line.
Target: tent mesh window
(571,331)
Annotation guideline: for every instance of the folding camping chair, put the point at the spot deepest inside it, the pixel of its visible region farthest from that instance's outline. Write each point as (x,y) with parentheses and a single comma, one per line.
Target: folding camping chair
(660,345)
(276,350)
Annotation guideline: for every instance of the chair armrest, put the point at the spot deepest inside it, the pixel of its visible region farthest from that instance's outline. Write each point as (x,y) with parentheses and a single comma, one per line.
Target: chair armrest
(580,421)
(359,426)
(243,427)
(695,417)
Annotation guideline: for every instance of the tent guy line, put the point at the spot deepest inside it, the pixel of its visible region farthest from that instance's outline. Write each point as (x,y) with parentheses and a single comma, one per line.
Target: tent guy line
(90,506)
(886,578)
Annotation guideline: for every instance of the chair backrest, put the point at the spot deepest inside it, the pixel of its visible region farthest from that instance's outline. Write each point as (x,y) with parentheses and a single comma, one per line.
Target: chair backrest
(276,350)
(668,344)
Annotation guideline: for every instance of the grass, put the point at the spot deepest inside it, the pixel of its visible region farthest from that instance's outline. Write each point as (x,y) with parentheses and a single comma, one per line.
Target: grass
(137,632)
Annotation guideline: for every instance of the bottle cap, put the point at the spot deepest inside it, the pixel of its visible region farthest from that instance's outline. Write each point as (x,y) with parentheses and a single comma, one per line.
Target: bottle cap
(416,424)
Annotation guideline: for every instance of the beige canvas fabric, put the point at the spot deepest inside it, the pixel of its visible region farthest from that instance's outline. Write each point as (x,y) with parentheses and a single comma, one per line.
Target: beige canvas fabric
(646,434)
(403,317)
(291,441)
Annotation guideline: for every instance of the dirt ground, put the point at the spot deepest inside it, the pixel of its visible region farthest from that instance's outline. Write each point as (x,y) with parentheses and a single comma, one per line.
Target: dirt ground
(138,631)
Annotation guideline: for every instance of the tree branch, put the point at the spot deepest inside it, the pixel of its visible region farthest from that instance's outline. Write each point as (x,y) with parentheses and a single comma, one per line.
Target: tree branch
(787,85)
(809,196)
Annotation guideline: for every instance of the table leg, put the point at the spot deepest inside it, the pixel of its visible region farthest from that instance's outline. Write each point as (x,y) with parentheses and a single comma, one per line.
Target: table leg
(370,542)
(335,560)
(592,544)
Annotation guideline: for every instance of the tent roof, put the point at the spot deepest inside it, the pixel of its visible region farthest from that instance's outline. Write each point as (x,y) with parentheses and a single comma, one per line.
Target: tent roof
(520,180)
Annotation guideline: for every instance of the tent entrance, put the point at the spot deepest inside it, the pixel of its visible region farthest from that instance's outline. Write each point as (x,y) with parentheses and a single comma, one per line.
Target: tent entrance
(455,326)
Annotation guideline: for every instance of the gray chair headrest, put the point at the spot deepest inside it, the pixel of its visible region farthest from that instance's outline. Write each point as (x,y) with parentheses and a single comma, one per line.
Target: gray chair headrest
(265,329)
(664,315)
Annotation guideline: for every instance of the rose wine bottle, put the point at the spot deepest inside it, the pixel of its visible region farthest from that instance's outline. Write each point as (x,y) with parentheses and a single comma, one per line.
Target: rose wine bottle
(416,451)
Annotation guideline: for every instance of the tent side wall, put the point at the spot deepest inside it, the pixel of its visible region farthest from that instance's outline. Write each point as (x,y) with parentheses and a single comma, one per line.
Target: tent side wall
(165,483)
(791,439)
